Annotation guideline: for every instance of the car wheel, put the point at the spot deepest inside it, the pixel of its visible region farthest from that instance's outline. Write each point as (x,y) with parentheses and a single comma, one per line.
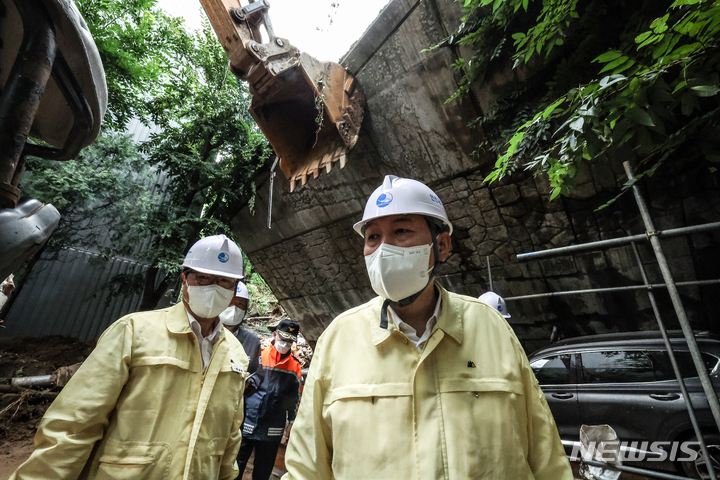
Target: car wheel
(698,468)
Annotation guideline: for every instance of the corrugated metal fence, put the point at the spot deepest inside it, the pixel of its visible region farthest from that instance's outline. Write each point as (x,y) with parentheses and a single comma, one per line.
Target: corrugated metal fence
(67,296)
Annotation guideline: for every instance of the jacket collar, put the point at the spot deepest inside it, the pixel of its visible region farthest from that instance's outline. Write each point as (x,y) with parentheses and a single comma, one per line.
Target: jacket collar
(277,356)
(176,319)
(450,320)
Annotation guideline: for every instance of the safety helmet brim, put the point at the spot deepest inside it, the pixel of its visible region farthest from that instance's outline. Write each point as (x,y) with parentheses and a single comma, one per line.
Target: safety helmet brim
(359,226)
(214,272)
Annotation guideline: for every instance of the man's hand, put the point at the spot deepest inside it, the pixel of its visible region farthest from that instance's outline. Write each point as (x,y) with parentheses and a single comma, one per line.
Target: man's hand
(252,383)
(286,434)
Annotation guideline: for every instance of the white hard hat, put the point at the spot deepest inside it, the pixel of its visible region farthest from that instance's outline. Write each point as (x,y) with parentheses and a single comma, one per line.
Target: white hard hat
(402,196)
(242,291)
(495,301)
(216,255)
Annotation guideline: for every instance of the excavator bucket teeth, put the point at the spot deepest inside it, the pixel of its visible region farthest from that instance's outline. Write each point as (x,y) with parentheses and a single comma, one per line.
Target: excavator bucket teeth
(310,111)
(313,118)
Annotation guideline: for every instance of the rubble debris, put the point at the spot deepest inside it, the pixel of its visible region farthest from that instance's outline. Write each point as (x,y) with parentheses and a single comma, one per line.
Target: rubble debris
(22,408)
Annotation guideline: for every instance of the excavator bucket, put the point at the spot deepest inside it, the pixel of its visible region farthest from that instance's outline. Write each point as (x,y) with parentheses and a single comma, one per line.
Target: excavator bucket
(310,111)
(313,119)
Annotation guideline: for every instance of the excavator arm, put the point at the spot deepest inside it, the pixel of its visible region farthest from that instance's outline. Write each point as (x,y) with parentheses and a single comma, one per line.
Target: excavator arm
(310,111)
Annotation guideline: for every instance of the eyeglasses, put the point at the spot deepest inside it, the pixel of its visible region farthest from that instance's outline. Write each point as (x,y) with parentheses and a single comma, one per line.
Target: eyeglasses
(205,279)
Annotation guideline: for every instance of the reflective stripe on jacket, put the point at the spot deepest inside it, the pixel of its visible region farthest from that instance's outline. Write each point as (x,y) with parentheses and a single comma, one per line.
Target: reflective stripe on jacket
(467,407)
(276,398)
(140,407)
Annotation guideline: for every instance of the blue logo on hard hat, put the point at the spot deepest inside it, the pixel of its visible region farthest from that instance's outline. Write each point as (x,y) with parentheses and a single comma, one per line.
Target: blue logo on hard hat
(499,308)
(384,200)
(223,257)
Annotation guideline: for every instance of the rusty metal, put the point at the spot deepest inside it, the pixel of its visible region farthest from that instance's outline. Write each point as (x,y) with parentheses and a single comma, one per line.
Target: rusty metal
(21,96)
(310,111)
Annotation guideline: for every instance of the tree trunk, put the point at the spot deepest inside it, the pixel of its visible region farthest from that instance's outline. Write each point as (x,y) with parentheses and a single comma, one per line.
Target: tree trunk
(151,293)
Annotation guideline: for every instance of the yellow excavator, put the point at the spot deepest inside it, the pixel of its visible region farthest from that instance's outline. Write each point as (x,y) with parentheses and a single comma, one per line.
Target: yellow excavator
(310,111)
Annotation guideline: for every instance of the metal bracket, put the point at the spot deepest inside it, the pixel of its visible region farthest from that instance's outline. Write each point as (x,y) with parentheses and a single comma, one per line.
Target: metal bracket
(241,14)
(249,13)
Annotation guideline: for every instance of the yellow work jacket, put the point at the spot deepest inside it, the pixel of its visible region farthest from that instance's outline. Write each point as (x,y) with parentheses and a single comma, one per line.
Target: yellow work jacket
(467,407)
(140,407)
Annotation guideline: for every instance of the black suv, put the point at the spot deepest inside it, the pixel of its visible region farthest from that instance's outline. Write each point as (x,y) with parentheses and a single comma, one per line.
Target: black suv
(625,380)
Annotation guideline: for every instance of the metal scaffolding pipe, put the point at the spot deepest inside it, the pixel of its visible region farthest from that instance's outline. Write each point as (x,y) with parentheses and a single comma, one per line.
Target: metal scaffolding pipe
(676,300)
(651,286)
(37,381)
(489,273)
(617,242)
(675,367)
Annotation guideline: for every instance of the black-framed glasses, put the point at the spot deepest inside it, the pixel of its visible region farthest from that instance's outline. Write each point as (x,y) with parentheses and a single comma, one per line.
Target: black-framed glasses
(207,279)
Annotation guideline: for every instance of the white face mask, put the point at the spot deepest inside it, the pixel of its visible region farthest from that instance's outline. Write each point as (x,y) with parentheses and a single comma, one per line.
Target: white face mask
(282,347)
(207,301)
(398,272)
(232,316)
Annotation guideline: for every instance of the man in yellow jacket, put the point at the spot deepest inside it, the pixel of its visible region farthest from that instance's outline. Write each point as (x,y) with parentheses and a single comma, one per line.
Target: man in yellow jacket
(420,383)
(160,397)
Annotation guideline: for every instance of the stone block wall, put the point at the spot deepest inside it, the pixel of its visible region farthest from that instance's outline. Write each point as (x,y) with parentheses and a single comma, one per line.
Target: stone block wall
(312,259)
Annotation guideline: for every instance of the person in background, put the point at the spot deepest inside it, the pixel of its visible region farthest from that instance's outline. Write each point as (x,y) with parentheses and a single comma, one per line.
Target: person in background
(6,289)
(232,318)
(160,396)
(271,402)
(420,383)
(496,302)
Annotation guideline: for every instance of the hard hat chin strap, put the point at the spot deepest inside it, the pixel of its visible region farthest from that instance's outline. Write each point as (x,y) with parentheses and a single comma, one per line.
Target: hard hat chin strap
(434,232)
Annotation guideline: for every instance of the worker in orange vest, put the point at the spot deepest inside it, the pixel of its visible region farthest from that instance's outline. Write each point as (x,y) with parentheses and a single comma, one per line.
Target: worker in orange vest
(271,401)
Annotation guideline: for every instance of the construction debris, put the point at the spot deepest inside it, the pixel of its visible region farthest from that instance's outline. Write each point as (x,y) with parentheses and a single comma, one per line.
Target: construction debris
(22,408)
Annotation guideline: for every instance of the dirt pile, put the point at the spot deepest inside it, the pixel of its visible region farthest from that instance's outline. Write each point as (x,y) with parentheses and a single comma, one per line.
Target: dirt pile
(20,413)
(25,357)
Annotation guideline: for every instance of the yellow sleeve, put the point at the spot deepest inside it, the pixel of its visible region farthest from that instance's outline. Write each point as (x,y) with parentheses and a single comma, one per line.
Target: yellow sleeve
(309,451)
(228,466)
(79,415)
(546,455)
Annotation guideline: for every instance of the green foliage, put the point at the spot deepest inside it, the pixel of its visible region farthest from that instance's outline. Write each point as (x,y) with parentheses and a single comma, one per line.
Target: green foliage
(605,78)
(261,294)
(137,43)
(209,147)
(206,155)
(105,195)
